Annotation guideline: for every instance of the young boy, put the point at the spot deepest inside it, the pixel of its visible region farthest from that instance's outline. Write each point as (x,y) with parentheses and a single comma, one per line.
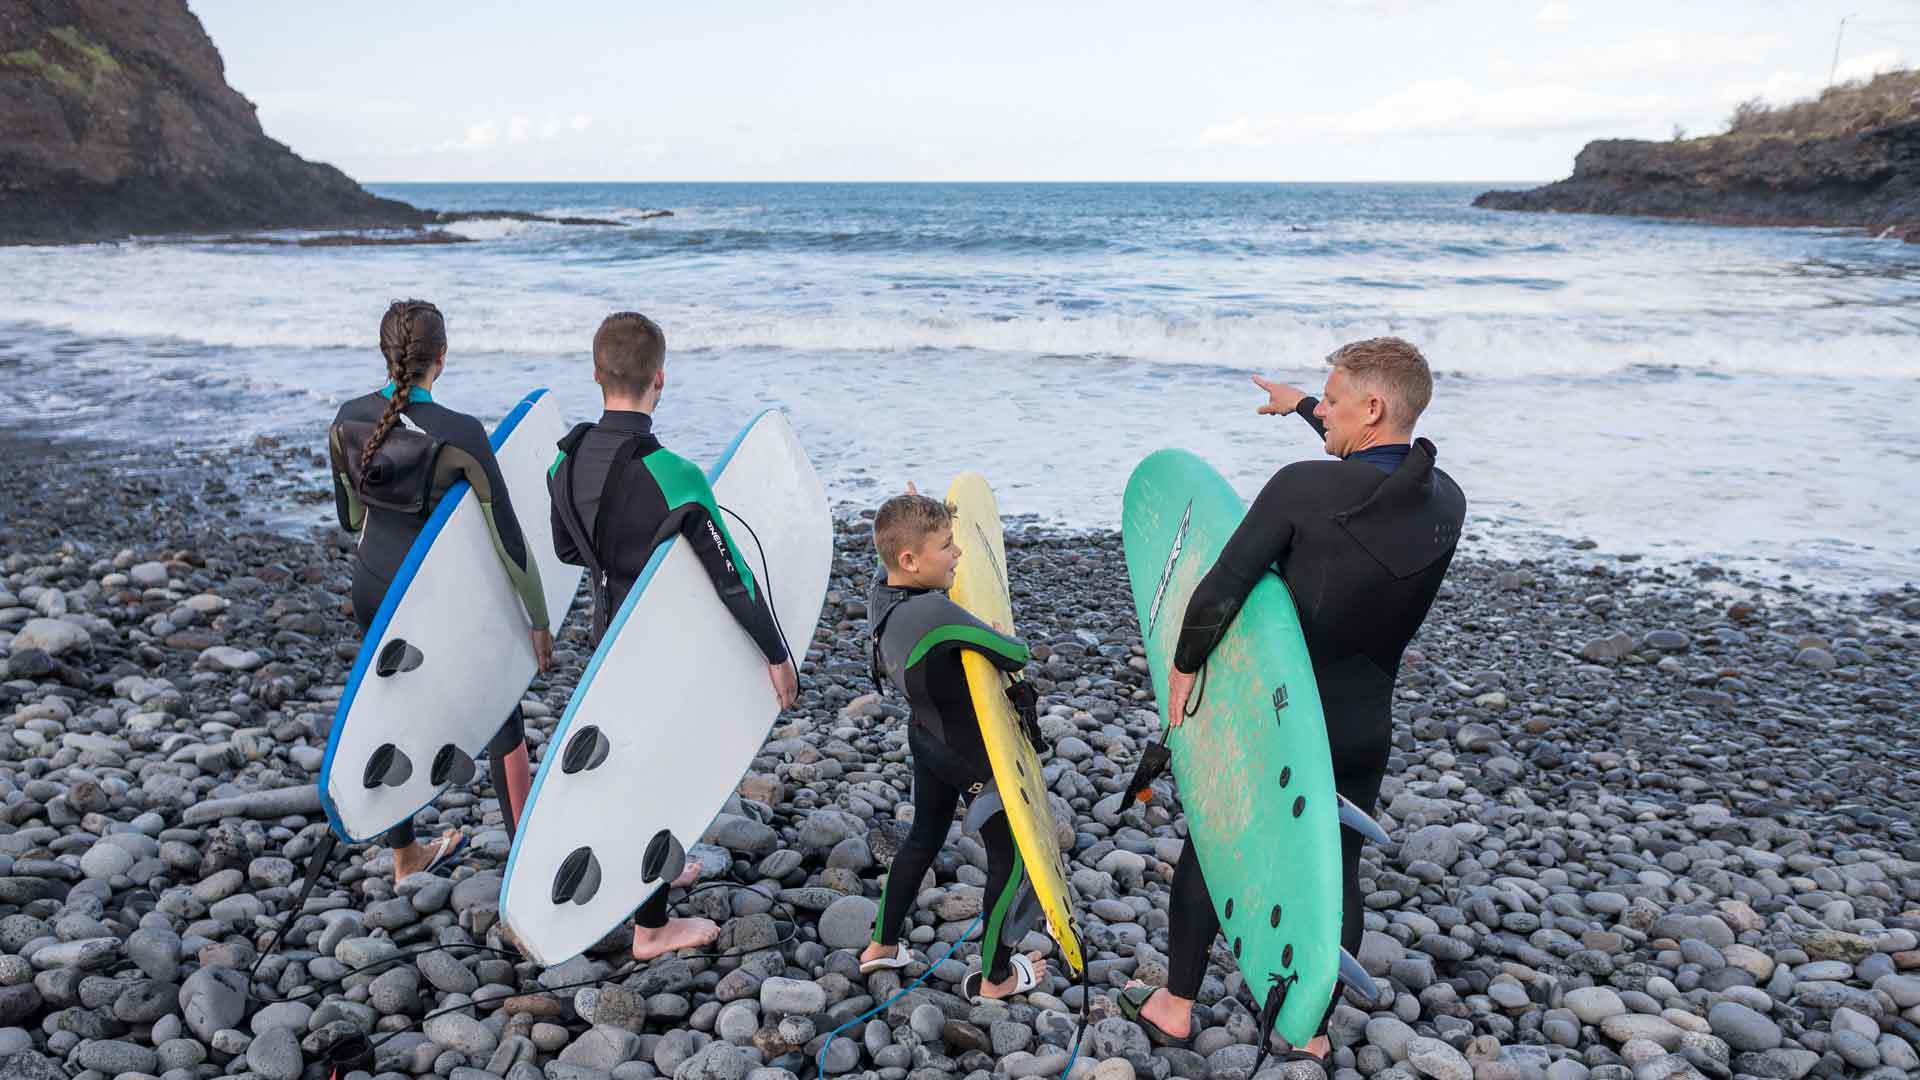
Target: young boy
(917,637)
(618,495)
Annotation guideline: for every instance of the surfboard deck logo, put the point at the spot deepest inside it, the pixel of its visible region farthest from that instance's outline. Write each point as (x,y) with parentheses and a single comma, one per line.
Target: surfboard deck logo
(1166,573)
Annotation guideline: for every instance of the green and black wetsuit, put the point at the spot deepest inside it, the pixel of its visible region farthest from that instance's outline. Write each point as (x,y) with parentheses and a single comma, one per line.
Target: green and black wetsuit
(1363,544)
(626,495)
(918,636)
(386,534)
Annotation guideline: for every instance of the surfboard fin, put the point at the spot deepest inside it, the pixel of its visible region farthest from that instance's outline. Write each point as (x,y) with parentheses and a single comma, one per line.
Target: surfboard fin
(578,879)
(395,657)
(587,749)
(386,767)
(1024,916)
(984,806)
(451,765)
(1361,822)
(1356,978)
(664,858)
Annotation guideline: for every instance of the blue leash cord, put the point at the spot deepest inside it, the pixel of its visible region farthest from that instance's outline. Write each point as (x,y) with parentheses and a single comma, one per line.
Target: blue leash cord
(820,1061)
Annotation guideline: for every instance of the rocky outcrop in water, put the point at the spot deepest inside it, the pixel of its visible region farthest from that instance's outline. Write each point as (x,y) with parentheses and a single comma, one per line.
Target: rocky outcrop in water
(116,118)
(1870,179)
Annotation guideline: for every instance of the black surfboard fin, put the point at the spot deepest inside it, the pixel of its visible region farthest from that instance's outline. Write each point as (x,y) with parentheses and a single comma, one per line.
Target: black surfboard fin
(451,765)
(664,859)
(1361,822)
(983,807)
(1356,978)
(578,878)
(395,657)
(386,767)
(1024,916)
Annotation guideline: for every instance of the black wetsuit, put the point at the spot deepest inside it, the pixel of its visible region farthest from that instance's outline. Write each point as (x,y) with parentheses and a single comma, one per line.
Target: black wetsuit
(386,535)
(1362,548)
(631,495)
(919,634)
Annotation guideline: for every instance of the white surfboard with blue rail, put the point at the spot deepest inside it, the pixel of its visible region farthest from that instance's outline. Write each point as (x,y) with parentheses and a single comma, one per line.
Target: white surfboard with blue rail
(449,653)
(671,709)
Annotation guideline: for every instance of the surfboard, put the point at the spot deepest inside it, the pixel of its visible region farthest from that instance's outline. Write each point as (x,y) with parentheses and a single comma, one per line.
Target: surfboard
(448,654)
(1252,762)
(670,710)
(980,585)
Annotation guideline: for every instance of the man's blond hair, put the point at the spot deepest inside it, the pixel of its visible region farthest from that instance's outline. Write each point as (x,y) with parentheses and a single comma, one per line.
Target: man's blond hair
(903,522)
(1392,368)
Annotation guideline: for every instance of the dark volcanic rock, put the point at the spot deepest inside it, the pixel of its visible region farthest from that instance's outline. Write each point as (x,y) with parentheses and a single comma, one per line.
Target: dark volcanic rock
(1868,179)
(119,119)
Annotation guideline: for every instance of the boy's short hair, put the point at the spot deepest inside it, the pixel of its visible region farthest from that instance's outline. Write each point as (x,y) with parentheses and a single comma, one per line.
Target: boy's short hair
(904,521)
(1394,368)
(628,350)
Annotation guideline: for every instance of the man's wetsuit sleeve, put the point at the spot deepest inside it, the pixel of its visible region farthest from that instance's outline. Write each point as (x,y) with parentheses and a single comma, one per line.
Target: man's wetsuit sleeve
(1305,409)
(563,545)
(1261,540)
(346,502)
(509,543)
(736,587)
(959,629)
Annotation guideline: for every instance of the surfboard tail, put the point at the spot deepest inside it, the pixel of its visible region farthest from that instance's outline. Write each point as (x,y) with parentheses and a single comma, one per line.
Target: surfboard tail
(1360,821)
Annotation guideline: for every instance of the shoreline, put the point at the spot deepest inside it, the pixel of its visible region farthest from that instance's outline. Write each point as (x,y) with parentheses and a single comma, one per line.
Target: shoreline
(1633,824)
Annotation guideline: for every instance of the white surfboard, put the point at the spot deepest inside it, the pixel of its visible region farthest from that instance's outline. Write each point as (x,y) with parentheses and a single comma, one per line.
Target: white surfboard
(671,709)
(448,655)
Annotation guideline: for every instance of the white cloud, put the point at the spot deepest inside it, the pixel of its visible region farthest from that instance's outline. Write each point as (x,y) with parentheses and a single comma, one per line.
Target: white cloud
(1647,58)
(1867,65)
(1786,87)
(1241,133)
(478,137)
(1456,107)
(1556,13)
(487,134)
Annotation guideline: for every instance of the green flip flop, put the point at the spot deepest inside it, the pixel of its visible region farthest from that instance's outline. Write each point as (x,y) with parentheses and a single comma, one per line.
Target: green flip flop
(1132,1001)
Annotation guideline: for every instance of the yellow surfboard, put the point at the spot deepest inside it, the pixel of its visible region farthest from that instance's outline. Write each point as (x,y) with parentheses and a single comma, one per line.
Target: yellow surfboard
(980,586)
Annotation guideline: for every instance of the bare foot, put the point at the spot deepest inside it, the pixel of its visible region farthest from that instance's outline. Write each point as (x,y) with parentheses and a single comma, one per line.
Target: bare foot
(418,856)
(877,951)
(1318,1046)
(1170,1014)
(1005,989)
(677,934)
(687,876)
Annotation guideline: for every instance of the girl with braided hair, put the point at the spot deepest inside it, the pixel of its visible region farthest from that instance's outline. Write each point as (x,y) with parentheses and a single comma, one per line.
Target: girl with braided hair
(395,452)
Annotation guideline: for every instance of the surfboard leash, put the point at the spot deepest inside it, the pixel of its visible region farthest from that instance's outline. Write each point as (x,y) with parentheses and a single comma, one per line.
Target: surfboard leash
(354,1052)
(820,1060)
(765,574)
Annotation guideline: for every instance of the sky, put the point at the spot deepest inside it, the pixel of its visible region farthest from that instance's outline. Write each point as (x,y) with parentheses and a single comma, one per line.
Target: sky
(1253,90)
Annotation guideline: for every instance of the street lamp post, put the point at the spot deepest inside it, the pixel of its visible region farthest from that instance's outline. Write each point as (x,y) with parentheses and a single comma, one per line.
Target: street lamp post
(1835,66)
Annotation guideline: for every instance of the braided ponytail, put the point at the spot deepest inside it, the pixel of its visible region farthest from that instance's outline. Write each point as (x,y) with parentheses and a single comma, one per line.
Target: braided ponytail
(412,336)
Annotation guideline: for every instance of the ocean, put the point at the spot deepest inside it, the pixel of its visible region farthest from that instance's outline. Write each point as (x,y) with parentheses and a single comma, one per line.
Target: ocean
(1742,398)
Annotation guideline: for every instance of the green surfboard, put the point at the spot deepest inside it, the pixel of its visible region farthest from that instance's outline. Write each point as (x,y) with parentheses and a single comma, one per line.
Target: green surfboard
(1254,771)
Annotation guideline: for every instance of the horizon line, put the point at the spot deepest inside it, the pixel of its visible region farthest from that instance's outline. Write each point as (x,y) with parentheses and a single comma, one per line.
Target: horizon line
(1063,183)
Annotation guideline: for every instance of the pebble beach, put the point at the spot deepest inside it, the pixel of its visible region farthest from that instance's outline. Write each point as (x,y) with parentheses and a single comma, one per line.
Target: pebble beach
(1646,822)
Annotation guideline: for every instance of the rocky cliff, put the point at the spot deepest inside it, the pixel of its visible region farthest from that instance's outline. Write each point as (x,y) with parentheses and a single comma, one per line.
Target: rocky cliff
(1869,178)
(116,118)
